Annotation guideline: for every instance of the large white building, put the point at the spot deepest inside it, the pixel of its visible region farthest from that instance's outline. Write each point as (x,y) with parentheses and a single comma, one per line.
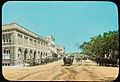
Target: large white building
(20,45)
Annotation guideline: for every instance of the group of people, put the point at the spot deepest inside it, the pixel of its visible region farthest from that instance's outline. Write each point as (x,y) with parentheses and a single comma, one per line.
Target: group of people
(68,60)
(78,59)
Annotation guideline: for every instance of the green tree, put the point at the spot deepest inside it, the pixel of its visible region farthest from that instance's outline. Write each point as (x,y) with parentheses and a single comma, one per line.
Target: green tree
(108,43)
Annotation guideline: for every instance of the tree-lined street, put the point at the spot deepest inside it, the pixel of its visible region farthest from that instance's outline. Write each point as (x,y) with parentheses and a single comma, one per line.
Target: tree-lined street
(85,71)
(40,39)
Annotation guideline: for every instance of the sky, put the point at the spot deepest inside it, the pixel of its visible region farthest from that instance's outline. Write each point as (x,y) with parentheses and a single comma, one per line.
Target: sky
(70,22)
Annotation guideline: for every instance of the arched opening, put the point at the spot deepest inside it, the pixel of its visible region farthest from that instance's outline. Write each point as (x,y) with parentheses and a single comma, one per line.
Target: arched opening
(46,54)
(19,56)
(30,54)
(6,53)
(34,55)
(41,54)
(25,53)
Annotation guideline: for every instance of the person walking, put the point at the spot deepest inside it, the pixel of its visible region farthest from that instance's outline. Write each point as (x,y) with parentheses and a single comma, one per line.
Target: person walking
(64,60)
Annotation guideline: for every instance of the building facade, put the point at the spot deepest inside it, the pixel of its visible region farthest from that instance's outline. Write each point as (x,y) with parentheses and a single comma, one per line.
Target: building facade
(20,45)
(60,50)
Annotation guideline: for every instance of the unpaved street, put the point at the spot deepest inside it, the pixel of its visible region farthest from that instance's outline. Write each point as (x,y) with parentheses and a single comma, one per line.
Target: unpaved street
(85,71)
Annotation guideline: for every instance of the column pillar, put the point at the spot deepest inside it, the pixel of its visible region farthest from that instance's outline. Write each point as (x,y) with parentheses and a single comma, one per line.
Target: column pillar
(23,53)
(13,54)
(15,38)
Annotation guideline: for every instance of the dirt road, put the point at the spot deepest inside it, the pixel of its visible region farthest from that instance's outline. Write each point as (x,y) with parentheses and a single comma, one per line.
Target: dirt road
(85,71)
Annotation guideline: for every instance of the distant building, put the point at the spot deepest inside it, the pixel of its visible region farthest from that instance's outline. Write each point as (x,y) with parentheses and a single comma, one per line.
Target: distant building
(60,50)
(51,40)
(20,45)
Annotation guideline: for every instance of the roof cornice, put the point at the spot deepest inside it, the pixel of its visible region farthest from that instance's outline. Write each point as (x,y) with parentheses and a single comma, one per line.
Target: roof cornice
(21,29)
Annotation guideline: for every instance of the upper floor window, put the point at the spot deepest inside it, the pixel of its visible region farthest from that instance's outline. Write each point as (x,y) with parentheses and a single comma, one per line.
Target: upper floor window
(4,50)
(30,39)
(25,37)
(41,43)
(19,35)
(3,38)
(6,37)
(9,37)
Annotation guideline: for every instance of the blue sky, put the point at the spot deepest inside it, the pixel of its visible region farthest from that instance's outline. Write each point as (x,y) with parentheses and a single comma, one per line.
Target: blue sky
(71,23)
